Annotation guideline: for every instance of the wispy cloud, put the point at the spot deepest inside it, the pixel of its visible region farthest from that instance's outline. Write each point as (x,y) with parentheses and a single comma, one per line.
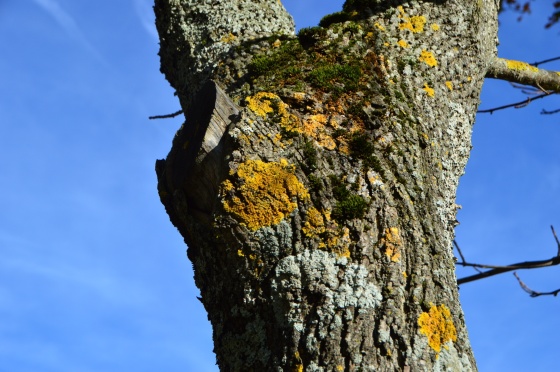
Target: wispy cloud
(146,15)
(70,26)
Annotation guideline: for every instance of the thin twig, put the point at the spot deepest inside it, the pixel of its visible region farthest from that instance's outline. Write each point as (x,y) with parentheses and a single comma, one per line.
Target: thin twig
(546,112)
(533,293)
(166,116)
(463,261)
(516,105)
(555,238)
(545,61)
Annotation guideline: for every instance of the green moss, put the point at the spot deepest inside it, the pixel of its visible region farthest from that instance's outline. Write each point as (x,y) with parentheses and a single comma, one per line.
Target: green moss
(336,17)
(348,205)
(281,59)
(331,77)
(308,36)
(315,183)
(352,207)
(310,155)
(361,147)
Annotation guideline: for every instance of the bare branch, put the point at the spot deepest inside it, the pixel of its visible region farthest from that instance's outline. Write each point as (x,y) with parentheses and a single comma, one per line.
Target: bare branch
(463,261)
(504,269)
(166,116)
(555,238)
(546,112)
(524,73)
(545,61)
(495,270)
(533,293)
(516,105)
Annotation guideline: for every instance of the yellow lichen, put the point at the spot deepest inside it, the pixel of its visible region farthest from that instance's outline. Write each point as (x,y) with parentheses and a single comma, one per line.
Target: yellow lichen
(314,127)
(403,44)
(315,224)
(437,325)
(429,90)
(228,38)
(435,26)
(520,66)
(262,194)
(261,103)
(414,24)
(428,58)
(393,243)
(449,85)
(277,43)
(265,103)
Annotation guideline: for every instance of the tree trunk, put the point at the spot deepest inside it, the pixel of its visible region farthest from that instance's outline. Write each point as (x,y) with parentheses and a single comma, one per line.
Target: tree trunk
(314,179)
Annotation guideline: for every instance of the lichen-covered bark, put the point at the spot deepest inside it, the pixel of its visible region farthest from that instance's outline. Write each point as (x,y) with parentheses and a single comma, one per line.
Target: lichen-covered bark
(314,179)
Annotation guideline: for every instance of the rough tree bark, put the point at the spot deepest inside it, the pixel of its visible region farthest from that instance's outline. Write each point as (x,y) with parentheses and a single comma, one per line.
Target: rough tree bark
(314,179)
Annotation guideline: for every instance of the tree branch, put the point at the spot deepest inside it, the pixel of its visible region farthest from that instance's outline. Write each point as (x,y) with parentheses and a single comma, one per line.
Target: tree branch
(516,104)
(495,270)
(166,116)
(524,73)
(534,293)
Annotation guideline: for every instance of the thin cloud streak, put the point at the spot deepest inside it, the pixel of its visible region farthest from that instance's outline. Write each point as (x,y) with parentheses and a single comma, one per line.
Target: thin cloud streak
(146,15)
(70,26)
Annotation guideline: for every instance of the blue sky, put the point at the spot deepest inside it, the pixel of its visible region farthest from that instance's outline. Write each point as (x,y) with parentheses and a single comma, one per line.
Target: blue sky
(93,276)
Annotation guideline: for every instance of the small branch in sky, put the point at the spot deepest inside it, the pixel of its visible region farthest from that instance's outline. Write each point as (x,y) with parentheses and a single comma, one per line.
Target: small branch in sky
(463,261)
(495,270)
(166,116)
(516,105)
(545,61)
(546,112)
(533,293)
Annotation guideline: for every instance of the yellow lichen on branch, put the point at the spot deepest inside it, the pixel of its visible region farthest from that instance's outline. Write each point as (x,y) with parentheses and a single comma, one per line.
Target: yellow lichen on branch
(520,66)
(438,326)
(262,194)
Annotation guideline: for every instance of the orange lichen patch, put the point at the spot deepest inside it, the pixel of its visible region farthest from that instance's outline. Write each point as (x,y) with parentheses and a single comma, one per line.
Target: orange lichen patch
(414,24)
(228,38)
(435,27)
(520,66)
(265,103)
(315,224)
(429,90)
(438,326)
(393,243)
(449,85)
(341,246)
(428,58)
(314,126)
(262,194)
(403,44)
(379,27)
